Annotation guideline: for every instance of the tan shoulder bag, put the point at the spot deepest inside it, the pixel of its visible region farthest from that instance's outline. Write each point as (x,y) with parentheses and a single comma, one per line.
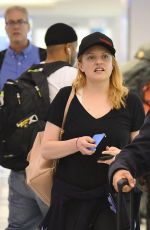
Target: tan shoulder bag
(39,172)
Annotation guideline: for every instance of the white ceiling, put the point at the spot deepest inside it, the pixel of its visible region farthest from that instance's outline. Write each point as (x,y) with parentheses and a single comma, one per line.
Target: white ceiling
(82,8)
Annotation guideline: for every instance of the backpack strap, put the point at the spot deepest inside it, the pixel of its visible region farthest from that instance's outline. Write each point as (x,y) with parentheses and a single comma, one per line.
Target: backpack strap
(42,54)
(38,74)
(45,69)
(2,54)
(49,68)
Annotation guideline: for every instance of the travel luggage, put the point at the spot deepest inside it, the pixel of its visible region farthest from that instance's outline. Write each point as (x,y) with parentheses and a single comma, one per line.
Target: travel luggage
(120,206)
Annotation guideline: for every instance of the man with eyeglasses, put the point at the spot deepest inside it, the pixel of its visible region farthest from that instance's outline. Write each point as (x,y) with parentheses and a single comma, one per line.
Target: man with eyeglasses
(25,209)
(21,54)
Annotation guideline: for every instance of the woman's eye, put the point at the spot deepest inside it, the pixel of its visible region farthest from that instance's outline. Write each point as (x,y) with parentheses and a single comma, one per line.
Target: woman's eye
(105,56)
(91,57)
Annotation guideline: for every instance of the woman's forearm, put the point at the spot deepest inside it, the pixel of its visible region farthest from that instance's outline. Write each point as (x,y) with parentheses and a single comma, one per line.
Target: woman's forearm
(59,149)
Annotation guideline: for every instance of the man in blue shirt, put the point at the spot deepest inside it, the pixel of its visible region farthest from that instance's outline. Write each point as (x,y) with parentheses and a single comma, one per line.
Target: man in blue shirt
(25,209)
(21,54)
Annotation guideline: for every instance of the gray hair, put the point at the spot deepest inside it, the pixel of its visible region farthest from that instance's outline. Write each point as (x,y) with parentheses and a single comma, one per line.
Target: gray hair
(18,8)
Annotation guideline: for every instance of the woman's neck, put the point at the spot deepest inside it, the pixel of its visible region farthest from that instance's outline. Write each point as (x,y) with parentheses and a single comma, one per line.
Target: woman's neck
(102,88)
(95,100)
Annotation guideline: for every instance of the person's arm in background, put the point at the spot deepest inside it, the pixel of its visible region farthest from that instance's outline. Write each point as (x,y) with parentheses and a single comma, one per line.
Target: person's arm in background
(136,119)
(114,150)
(135,158)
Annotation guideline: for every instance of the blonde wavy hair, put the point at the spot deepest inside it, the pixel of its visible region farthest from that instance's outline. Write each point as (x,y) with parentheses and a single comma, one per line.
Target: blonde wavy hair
(117,91)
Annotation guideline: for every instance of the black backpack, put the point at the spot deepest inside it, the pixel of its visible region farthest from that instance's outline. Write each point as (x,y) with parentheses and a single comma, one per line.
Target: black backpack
(23,110)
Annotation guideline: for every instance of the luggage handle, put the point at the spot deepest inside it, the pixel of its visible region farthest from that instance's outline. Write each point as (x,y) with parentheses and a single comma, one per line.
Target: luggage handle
(121,183)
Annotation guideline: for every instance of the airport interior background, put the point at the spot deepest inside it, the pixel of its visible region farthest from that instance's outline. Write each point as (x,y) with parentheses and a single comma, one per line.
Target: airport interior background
(125,21)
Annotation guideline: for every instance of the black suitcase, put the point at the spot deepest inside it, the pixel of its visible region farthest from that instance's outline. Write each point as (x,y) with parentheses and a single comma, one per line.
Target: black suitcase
(121,184)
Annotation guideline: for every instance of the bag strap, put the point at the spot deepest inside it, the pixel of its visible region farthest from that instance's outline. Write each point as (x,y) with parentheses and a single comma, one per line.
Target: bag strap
(49,68)
(2,54)
(72,93)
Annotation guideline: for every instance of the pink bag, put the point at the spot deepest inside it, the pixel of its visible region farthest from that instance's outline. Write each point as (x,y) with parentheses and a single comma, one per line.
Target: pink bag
(39,172)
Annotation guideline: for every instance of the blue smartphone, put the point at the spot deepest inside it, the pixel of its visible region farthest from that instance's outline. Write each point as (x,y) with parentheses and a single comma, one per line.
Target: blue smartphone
(98,138)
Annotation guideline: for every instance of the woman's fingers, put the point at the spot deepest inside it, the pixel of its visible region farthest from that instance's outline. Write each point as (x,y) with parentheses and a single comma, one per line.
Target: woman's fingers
(86,145)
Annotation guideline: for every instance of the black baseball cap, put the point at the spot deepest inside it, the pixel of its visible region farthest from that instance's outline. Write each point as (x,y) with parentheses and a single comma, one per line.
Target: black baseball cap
(60,33)
(96,38)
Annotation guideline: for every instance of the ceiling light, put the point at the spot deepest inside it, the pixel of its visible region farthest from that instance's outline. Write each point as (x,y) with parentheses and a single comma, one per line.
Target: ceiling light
(27,2)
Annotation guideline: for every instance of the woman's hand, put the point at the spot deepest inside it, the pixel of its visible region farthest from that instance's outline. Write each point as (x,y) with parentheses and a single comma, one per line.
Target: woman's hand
(112,151)
(84,145)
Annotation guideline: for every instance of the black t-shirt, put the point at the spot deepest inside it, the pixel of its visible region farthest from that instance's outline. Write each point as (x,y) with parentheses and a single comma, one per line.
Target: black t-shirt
(83,170)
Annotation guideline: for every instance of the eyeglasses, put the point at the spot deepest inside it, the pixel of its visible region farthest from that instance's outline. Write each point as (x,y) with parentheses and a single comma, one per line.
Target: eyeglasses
(19,22)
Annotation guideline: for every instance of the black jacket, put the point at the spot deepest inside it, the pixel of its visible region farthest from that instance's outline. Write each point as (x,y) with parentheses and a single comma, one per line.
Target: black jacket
(62,193)
(87,211)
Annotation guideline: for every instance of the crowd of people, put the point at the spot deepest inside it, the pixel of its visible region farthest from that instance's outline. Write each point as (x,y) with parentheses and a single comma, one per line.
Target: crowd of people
(82,193)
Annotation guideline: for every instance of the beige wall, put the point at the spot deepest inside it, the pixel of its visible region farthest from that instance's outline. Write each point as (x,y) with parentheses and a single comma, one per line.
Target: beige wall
(139,24)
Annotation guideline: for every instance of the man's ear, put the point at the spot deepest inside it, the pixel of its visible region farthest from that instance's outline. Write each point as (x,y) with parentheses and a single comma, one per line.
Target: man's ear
(29,27)
(68,49)
(6,29)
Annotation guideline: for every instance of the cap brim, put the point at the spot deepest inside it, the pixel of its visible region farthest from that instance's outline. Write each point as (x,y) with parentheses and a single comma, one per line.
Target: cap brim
(111,49)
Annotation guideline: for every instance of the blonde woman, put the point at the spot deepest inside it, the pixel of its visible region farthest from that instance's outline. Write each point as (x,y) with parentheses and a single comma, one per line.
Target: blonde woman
(102,104)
